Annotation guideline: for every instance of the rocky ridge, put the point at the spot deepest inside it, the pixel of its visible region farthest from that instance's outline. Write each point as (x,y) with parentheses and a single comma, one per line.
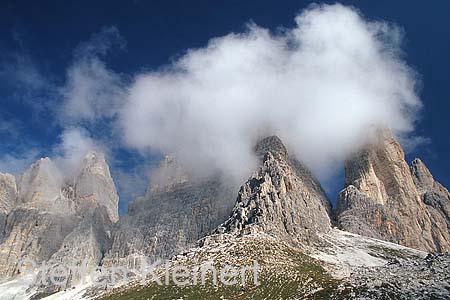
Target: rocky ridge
(282,199)
(295,264)
(281,218)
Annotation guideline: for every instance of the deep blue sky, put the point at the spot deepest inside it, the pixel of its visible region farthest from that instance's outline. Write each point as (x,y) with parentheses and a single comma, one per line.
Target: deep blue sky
(46,32)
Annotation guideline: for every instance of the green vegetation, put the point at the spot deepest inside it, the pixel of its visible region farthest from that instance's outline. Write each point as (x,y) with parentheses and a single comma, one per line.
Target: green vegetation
(286,273)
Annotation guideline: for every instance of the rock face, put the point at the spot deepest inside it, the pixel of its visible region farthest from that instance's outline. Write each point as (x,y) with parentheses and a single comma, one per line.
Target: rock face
(40,185)
(31,235)
(94,187)
(437,202)
(282,199)
(8,193)
(84,248)
(280,218)
(175,212)
(8,198)
(385,198)
(57,220)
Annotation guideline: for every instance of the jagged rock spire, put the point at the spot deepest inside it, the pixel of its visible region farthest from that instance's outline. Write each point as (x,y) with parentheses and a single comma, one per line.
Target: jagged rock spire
(281,199)
(40,184)
(385,198)
(271,144)
(54,215)
(94,186)
(422,176)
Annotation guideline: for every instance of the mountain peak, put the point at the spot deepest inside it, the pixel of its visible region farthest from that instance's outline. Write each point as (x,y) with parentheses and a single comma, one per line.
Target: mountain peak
(95,163)
(386,198)
(281,199)
(94,186)
(422,176)
(40,183)
(271,144)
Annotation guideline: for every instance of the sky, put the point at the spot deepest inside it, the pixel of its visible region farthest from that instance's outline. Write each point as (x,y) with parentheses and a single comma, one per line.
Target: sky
(152,77)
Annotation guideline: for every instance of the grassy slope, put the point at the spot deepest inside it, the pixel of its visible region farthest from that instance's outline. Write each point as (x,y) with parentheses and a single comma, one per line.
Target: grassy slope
(286,273)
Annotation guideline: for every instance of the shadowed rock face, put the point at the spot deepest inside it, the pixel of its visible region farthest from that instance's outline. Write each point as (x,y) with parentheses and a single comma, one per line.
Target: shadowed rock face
(281,199)
(437,202)
(385,198)
(84,246)
(175,212)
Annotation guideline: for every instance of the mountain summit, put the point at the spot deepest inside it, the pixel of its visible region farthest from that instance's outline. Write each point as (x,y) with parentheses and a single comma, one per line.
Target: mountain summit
(385,198)
(281,198)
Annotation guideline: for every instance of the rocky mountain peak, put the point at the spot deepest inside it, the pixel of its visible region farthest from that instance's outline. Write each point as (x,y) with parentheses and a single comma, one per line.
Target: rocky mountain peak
(380,169)
(95,163)
(58,220)
(94,186)
(272,144)
(281,199)
(421,175)
(385,198)
(40,184)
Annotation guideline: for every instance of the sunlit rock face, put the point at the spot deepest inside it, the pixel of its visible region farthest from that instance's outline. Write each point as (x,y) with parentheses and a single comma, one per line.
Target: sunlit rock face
(281,198)
(388,199)
(94,187)
(52,218)
(8,192)
(40,185)
(8,198)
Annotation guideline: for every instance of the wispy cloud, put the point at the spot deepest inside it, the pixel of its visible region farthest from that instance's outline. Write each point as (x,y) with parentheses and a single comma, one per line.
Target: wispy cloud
(93,91)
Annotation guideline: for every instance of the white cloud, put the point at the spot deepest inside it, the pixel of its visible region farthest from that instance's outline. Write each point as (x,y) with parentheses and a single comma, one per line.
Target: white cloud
(74,144)
(92,91)
(322,86)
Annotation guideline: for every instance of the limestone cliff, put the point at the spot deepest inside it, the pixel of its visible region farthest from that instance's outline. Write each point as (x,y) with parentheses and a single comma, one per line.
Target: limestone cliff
(281,199)
(175,212)
(94,187)
(384,198)
(56,219)
(8,198)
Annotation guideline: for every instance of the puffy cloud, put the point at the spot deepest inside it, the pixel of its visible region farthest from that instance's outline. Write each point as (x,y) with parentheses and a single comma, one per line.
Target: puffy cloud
(322,86)
(93,91)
